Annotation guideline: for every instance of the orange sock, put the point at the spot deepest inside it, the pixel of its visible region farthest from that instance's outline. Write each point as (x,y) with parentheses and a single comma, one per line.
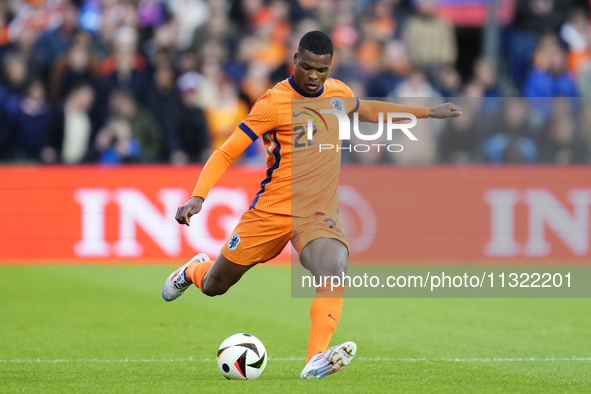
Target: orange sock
(325,314)
(196,271)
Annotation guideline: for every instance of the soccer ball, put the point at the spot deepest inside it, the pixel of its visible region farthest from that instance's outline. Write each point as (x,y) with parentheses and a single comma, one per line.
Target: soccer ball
(242,357)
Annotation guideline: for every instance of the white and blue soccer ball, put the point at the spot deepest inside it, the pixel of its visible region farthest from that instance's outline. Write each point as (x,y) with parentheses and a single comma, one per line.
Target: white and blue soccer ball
(242,357)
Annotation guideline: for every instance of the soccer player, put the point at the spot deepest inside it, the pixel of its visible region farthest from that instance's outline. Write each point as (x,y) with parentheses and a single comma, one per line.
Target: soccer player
(298,200)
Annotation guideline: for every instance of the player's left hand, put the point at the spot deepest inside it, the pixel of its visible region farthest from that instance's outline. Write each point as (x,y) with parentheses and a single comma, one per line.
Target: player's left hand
(447,110)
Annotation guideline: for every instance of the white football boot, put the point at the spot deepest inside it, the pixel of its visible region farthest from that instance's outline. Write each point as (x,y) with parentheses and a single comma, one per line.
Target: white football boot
(176,283)
(330,361)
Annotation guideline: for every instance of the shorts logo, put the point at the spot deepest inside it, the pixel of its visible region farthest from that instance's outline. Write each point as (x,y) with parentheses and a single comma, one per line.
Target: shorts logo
(337,104)
(234,241)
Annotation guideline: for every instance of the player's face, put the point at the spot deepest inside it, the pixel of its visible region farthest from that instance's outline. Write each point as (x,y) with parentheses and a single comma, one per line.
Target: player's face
(311,71)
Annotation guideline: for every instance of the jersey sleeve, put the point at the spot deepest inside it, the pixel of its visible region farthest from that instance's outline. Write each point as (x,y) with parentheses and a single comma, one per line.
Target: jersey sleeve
(262,117)
(351,102)
(369,110)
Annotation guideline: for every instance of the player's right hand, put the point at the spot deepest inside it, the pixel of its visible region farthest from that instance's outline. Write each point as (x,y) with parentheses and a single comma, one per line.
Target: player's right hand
(188,209)
(447,110)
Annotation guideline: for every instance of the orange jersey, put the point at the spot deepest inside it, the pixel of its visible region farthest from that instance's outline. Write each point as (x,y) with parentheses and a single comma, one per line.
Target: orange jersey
(300,180)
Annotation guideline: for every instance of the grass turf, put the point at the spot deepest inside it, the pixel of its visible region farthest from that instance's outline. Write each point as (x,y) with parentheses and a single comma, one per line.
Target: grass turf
(106,329)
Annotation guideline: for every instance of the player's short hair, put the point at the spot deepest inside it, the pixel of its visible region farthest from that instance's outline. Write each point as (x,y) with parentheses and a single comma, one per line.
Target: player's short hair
(317,42)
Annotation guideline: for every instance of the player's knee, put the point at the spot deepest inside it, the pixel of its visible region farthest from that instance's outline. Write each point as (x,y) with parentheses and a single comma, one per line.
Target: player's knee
(337,267)
(325,256)
(213,287)
(333,267)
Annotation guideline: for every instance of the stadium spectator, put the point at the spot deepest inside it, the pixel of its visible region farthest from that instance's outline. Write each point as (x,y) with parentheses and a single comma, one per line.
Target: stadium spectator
(550,78)
(4,24)
(430,40)
(194,145)
(242,12)
(143,126)
(78,65)
(91,16)
(325,14)
(533,18)
(125,68)
(584,125)
(9,103)
(7,149)
(22,43)
(379,27)
(381,22)
(485,74)
(189,15)
(111,20)
(71,131)
(561,144)
(272,33)
(15,73)
(345,34)
(415,84)
(576,32)
(217,28)
(511,143)
(55,41)
(448,82)
(584,81)
(187,61)
(474,90)
(345,66)
(115,144)
(163,103)
(29,122)
(369,51)
(394,67)
(224,113)
(458,140)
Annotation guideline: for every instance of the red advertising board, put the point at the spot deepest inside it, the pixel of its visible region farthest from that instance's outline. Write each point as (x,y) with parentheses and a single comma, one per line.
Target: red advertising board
(474,13)
(431,214)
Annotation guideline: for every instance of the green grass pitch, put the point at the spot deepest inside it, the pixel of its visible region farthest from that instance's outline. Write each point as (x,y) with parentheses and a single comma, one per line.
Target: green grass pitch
(106,329)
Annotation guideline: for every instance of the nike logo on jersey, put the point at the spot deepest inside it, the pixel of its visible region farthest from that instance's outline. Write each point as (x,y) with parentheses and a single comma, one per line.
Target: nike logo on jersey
(329,315)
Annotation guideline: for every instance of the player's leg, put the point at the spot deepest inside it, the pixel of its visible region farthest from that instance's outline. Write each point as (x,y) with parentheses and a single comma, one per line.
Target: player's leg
(324,258)
(215,278)
(258,237)
(324,250)
(212,278)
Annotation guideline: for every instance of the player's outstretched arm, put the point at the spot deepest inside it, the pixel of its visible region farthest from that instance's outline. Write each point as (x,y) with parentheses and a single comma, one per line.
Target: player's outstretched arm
(370,109)
(213,170)
(443,111)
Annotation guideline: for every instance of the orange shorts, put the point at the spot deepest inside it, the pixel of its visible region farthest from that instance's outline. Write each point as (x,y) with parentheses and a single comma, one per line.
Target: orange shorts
(260,236)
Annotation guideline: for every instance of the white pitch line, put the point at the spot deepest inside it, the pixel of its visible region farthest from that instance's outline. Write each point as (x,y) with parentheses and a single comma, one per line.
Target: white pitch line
(191,359)
(468,360)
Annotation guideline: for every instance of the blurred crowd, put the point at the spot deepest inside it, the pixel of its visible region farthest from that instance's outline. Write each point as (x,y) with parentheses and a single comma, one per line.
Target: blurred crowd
(156,81)
(492,130)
